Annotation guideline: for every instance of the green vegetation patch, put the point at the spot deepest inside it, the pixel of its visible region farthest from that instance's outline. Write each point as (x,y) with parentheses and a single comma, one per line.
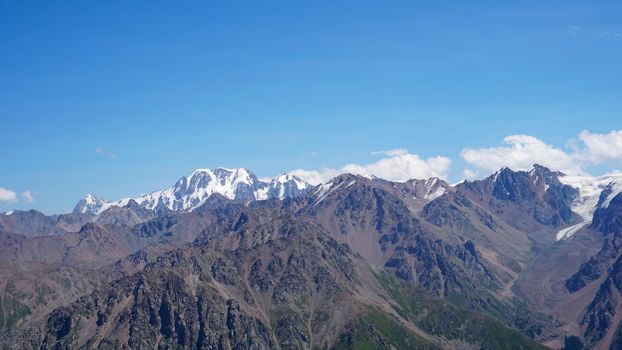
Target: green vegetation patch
(377,330)
(442,318)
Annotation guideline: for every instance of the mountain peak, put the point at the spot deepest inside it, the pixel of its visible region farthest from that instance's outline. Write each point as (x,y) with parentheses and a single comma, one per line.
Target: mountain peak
(90,204)
(191,191)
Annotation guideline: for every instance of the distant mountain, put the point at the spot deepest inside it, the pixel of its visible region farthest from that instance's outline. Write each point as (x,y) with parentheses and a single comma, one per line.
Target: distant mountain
(517,260)
(192,190)
(29,223)
(90,205)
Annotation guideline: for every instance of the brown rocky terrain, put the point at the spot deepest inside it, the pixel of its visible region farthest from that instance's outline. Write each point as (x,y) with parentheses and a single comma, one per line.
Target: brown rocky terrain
(353,263)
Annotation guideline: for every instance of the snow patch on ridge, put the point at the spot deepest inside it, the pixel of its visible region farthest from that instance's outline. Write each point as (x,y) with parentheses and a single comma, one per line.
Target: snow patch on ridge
(325,190)
(433,189)
(191,191)
(590,189)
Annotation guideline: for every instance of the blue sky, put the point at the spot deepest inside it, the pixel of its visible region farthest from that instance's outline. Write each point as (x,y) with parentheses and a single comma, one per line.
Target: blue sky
(119,98)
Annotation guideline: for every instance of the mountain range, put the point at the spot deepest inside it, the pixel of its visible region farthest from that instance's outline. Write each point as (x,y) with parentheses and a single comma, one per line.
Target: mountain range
(224,260)
(192,190)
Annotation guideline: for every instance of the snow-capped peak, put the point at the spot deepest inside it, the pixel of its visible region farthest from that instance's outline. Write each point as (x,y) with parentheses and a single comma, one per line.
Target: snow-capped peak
(191,191)
(281,187)
(90,204)
(292,180)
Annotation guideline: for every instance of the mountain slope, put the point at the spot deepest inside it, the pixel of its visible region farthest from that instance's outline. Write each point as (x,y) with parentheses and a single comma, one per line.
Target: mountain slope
(601,319)
(535,202)
(372,217)
(416,264)
(29,223)
(270,283)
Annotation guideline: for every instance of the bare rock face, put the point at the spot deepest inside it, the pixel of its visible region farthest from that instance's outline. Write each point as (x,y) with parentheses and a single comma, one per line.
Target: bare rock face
(608,220)
(354,263)
(526,200)
(254,279)
(270,290)
(597,266)
(599,318)
(398,239)
(601,312)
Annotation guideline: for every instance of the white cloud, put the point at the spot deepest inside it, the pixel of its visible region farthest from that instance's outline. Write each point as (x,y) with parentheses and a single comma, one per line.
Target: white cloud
(102,152)
(600,148)
(315,177)
(7,195)
(469,174)
(520,152)
(391,152)
(399,165)
(28,197)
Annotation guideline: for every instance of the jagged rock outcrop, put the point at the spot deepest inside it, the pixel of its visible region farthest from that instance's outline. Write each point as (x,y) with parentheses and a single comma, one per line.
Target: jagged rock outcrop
(351,263)
(606,266)
(526,200)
